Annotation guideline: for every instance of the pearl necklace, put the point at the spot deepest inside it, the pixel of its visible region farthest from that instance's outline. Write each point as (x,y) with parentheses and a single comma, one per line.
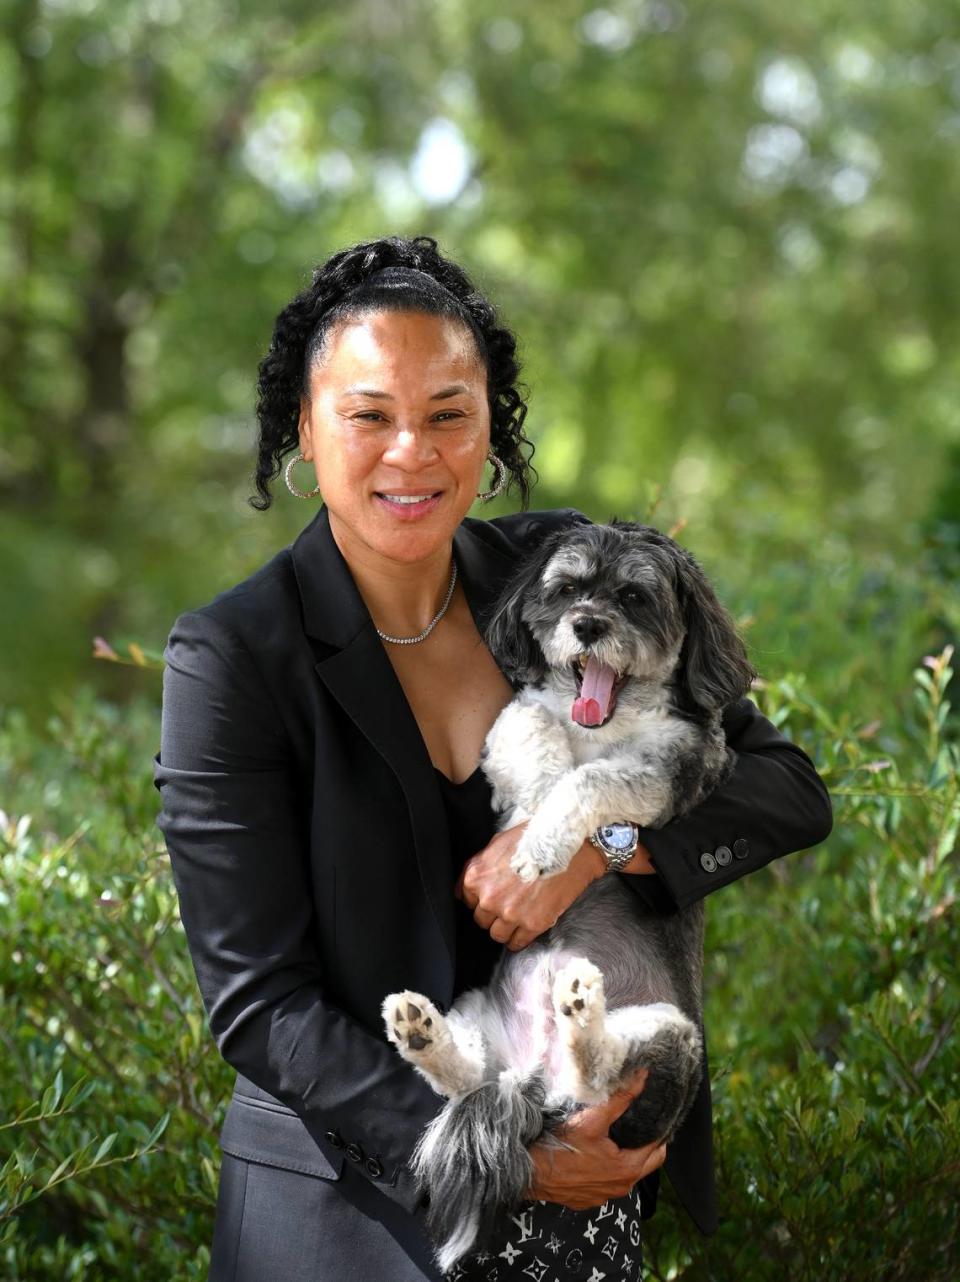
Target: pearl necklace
(433,622)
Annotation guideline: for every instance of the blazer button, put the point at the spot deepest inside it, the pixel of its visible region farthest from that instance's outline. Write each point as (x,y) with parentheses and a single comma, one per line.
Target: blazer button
(333,1137)
(741,848)
(707,862)
(374,1167)
(354,1152)
(723,854)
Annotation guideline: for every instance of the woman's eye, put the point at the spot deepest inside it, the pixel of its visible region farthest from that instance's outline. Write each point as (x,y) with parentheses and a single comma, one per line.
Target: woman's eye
(375,414)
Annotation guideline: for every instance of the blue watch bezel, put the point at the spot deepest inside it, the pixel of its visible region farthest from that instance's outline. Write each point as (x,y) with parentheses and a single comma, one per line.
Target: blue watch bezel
(618,837)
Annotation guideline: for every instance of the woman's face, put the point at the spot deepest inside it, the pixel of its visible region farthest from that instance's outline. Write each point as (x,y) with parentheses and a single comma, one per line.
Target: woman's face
(399,408)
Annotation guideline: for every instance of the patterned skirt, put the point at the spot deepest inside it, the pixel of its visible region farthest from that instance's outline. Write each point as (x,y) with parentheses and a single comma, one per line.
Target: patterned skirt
(552,1243)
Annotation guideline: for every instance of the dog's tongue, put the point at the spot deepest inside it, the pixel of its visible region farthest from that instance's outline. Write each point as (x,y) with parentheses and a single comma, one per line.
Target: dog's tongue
(593,704)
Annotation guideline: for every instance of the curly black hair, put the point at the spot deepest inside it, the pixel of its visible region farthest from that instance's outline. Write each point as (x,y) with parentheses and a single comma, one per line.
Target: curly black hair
(390,274)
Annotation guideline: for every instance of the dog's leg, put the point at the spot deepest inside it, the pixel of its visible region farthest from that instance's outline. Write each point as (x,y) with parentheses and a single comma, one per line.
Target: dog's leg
(448,1057)
(585,798)
(663,1040)
(524,755)
(580,1012)
(603,1048)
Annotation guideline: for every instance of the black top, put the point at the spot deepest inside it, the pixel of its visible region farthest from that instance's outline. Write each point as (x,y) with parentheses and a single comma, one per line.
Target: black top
(471,823)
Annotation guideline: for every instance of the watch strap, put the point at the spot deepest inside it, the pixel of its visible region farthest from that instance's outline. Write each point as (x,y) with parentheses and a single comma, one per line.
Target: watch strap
(617,860)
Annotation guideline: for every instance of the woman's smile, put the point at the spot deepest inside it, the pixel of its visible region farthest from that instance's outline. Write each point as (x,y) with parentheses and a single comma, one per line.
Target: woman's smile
(409,505)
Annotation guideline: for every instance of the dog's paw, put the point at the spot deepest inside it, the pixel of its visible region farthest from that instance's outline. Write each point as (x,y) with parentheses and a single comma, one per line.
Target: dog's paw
(532,860)
(412,1022)
(425,1039)
(525,865)
(578,997)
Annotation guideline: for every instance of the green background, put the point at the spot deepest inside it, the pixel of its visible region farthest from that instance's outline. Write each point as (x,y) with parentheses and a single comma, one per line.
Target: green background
(726,237)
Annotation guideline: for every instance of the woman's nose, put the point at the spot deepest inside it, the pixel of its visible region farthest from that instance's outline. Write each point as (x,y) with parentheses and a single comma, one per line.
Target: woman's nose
(410,448)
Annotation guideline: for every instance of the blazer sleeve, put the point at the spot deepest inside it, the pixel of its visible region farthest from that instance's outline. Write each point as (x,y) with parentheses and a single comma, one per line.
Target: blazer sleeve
(773,802)
(235,825)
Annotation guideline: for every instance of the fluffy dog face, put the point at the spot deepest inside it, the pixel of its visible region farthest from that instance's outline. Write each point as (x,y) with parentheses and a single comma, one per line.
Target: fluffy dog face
(600,605)
(605,618)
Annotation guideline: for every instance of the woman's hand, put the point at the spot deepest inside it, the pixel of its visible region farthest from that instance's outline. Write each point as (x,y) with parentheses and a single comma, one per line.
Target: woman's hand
(516,912)
(513,911)
(597,1170)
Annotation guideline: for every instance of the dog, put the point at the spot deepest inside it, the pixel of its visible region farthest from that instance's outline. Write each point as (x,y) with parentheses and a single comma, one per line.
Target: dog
(623,660)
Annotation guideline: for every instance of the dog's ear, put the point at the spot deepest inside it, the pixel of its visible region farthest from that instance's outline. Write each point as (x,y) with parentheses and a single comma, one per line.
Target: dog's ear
(508,637)
(713,670)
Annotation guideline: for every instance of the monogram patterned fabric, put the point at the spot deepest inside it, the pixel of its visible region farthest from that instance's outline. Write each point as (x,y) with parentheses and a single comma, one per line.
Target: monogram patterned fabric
(551,1243)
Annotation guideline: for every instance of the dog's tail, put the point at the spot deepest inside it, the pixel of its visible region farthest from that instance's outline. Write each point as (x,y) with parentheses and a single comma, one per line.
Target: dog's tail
(473,1163)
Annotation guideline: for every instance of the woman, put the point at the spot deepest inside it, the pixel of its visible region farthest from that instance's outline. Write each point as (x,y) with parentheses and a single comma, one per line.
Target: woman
(322,802)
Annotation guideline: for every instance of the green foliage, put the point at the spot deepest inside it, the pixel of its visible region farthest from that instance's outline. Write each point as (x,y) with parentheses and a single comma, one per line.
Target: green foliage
(832,1007)
(832,1012)
(725,236)
(108,1162)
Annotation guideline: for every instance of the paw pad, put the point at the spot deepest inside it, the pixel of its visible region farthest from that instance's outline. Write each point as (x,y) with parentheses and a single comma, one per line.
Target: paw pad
(410,1023)
(578,988)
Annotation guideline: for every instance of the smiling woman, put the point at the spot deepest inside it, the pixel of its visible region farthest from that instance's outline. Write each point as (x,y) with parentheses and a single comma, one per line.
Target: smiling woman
(398,478)
(397,481)
(329,827)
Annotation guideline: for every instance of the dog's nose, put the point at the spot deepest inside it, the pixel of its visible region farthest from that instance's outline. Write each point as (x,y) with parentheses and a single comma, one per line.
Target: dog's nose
(589,628)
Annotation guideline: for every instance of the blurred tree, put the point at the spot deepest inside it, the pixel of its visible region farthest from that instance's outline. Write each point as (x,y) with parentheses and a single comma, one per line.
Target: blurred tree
(725,236)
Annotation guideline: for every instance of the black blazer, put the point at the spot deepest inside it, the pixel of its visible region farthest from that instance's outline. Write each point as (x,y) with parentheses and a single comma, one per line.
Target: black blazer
(305,831)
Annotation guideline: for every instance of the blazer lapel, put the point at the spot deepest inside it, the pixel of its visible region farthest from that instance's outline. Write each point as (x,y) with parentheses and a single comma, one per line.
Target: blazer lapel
(359,675)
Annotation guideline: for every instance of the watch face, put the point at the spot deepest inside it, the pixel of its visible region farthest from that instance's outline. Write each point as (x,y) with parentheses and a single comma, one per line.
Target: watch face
(617,836)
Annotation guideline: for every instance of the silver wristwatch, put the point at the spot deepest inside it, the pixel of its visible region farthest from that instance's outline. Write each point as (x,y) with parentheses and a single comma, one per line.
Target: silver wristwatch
(616,842)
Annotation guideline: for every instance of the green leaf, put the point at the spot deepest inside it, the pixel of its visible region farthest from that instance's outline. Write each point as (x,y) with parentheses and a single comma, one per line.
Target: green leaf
(105,1147)
(158,1130)
(58,1172)
(209,1174)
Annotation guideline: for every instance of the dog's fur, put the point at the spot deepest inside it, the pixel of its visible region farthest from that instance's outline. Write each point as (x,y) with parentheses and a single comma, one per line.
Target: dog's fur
(613,986)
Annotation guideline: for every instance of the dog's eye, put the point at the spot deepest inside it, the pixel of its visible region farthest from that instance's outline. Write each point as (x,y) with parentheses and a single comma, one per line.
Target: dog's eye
(566,589)
(631,594)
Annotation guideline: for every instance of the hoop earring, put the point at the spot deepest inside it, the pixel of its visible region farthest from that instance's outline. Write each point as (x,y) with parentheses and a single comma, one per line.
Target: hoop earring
(501,481)
(298,458)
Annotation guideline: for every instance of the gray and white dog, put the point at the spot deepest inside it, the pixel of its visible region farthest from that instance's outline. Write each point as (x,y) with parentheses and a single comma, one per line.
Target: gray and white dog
(624,661)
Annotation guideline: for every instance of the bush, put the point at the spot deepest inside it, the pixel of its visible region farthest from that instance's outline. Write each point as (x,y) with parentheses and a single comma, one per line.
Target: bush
(832,1004)
(832,1001)
(98,992)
